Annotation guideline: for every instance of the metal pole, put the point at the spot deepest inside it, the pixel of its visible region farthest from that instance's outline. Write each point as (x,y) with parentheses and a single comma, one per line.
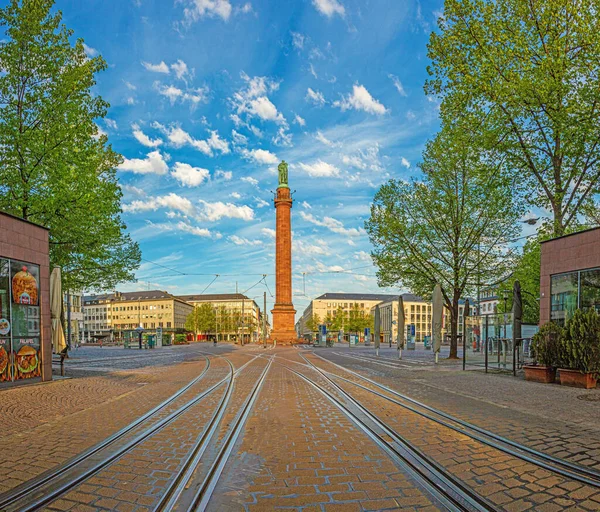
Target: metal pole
(243,323)
(264,320)
(487,321)
(464,337)
(217,325)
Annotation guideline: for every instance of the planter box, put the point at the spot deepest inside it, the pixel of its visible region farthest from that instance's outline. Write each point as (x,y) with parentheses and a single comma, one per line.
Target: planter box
(576,379)
(545,374)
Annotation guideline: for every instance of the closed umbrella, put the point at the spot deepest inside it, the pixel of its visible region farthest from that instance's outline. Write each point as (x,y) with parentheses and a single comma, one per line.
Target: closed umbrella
(377,328)
(56,304)
(401,328)
(438,310)
(517,311)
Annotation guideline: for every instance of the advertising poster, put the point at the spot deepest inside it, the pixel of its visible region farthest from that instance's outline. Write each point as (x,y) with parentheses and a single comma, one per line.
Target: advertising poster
(25,283)
(5,367)
(26,358)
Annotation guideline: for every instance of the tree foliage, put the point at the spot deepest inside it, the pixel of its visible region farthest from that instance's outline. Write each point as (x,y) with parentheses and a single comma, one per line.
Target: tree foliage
(452,226)
(523,78)
(202,319)
(55,169)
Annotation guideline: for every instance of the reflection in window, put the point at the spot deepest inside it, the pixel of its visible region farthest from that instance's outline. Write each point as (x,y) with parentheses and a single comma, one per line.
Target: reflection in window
(590,289)
(563,291)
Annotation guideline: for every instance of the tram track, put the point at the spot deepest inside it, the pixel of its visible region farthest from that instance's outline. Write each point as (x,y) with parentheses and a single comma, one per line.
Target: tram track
(448,492)
(36,494)
(543,460)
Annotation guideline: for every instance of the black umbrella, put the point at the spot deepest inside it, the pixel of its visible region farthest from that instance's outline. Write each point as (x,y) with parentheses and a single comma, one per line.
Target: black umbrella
(517,311)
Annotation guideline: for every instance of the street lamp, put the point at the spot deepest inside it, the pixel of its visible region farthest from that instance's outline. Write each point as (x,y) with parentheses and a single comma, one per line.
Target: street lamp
(505,297)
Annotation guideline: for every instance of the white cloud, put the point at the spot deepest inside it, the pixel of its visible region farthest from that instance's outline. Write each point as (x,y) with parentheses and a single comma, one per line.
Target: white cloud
(238,138)
(361,99)
(180,68)
(251,180)
(143,139)
(217,143)
(398,85)
(365,159)
(194,96)
(329,7)
(283,137)
(253,101)
(186,228)
(320,169)
(238,240)
(197,9)
(268,232)
(179,138)
(217,210)
(298,40)
(306,205)
(332,224)
(134,190)
(261,203)
(154,163)
(235,195)
(321,138)
(111,123)
(99,132)
(226,175)
(171,201)
(170,91)
(315,97)
(244,9)
(405,162)
(354,161)
(130,100)
(89,51)
(410,115)
(261,156)
(156,68)
(313,72)
(299,120)
(362,256)
(130,86)
(188,175)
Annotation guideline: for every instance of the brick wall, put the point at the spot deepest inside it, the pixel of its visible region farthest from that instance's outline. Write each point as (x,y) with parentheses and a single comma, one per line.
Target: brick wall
(566,254)
(24,241)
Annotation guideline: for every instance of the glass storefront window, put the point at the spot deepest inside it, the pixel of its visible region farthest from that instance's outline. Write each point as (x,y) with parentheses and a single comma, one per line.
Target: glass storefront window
(563,292)
(19,320)
(590,289)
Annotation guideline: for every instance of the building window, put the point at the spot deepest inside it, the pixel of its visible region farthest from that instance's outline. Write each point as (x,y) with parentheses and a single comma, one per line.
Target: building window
(563,296)
(589,283)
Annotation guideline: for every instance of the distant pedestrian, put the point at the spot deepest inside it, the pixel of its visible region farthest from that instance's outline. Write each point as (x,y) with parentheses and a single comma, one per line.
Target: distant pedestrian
(100,341)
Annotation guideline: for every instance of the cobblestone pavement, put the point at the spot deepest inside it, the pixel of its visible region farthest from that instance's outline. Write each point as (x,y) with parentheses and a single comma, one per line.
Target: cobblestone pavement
(297,451)
(554,419)
(502,479)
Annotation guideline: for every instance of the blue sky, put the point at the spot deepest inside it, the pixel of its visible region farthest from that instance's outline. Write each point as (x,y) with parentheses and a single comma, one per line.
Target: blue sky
(207,96)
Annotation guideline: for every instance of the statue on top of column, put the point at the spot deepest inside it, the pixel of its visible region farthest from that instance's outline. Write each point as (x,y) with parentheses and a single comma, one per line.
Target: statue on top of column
(283,173)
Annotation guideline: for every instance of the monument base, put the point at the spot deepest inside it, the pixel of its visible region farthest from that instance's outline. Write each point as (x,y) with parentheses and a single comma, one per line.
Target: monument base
(283,324)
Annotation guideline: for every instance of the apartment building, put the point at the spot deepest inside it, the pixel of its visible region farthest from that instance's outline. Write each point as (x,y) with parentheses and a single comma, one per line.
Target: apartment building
(327,306)
(229,309)
(109,315)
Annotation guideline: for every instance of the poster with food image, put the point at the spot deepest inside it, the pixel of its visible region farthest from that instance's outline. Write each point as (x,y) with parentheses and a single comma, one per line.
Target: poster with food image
(26,358)
(5,374)
(25,282)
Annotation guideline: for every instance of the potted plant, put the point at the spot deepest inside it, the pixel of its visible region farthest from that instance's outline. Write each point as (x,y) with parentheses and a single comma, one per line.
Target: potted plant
(545,347)
(580,354)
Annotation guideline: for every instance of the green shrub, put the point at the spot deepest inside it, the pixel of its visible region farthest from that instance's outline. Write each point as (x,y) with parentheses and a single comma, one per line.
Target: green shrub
(581,344)
(180,339)
(546,345)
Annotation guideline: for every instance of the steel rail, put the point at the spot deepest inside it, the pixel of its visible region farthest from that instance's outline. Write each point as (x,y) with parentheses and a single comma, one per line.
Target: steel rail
(61,487)
(204,492)
(32,485)
(178,485)
(448,491)
(556,465)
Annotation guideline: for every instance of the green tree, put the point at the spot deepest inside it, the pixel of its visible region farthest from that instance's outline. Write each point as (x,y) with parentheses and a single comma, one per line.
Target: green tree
(202,319)
(452,226)
(523,77)
(312,324)
(54,168)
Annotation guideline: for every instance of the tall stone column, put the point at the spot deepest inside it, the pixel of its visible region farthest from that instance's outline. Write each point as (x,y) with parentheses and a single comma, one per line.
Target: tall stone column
(283,312)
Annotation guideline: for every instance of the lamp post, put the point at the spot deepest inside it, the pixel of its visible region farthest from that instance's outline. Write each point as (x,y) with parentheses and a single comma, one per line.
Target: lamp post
(505,297)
